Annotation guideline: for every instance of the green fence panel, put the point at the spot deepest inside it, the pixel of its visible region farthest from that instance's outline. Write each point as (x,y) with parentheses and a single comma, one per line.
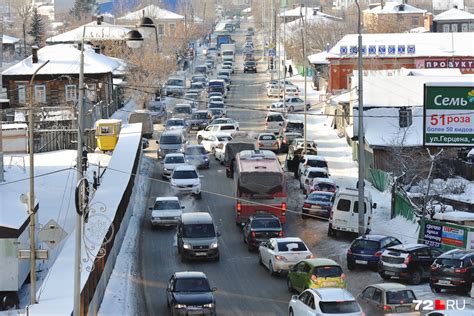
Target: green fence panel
(380,179)
(446,236)
(403,207)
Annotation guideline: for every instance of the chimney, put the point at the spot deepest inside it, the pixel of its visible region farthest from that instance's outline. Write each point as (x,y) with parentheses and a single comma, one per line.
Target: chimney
(321,9)
(401,7)
(97,49)
(315,11)
(34,52)
(99,20)
(455,6)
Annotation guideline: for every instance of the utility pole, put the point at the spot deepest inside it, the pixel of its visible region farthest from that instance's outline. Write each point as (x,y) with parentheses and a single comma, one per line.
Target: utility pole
(278,60)
(360,132)
(284,56)
(31,200)
(303,38)
(2,176)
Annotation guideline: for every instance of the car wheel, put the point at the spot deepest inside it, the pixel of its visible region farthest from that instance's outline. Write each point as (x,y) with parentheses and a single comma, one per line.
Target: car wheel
(199,139)
(270,268)
(199,196)
(260,262)
(290,313)
(308,106)
(213,152)
(291,109)
(351,265)
(304,215)
(435,289)
(289,286)
(416,277)
(331,231)
(168,302)
(384,276)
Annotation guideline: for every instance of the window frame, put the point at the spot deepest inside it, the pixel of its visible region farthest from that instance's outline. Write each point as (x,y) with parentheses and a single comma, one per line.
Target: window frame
(344,201)
(454,27)
(22,87)
(464,27)
(37,88)
(446,28)
(67,94)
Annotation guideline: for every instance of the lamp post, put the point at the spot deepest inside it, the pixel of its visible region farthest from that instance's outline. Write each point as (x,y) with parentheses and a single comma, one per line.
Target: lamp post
(360,132)
(148,27)
(133,39)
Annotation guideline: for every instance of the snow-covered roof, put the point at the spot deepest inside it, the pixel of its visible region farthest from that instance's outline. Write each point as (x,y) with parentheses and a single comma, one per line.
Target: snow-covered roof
(154,12)
(247,10)
(419,29)
(105,31)
(394,7)
(319,58)
(297,12)
(10,39)
(456,216)
(413,45)
(454,14)
(65,59)
(447,4)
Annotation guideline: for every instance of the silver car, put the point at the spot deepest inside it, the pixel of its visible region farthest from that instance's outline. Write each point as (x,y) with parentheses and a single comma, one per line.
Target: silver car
(166,211)
(267,141)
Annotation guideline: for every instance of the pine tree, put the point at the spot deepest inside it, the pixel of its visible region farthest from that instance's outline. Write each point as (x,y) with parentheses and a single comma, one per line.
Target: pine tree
(83,8)
(37,28)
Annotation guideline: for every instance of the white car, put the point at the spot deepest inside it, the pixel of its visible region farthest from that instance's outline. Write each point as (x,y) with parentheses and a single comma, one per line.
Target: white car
(324,301)
(267,141)
(226,120)
(214,129)
(291,91)
(216,98)
(277,107)
(306,178)
(219,152)
(273,122)
(170,162)
(186,179)
(293,104)
(273,90)
(282,82)
(211,142)
(280,254)
(311,161)
(166,211)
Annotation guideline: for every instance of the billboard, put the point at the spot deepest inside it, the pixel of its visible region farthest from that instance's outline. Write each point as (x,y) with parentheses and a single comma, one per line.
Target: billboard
(448,114)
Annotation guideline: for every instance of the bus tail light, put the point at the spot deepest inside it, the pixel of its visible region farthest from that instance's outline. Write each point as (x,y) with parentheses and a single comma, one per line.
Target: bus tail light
(239,206)
(283,206)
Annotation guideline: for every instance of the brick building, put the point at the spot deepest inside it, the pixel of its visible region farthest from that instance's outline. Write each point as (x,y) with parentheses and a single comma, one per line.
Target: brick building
(392,17)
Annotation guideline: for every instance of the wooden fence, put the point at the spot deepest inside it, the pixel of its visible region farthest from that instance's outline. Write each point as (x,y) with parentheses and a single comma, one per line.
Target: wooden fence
(60,139)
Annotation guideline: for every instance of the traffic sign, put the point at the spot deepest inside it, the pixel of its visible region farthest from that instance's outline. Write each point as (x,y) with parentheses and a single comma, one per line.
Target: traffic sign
(272,52)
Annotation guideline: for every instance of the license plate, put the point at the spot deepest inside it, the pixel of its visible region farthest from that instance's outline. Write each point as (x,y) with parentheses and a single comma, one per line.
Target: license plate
(403,309)
(444,282)
(200,254)
(361,262)
(329,283)
(389,273)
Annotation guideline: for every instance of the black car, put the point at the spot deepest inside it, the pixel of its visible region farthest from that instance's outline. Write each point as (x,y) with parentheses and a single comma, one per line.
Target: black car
(410,262)
(199,120)
(260,228)
(367,249)
(189,293)
(453,270)
(250,66)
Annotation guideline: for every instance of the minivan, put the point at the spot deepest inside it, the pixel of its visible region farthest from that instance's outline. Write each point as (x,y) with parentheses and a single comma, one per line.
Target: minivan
(171,141)
(197,237)
(344,215)
(274,122)
(175,85)
(144,117)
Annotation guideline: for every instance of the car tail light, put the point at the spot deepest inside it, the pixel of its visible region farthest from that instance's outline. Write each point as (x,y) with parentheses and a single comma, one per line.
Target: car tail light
(349,251)
(343,276)
(311,256)
(239,206)
(283,206)
(280,234)
(260,144)
(378,253)
(306,205)
(387,308)
(285,141)
(252,234)
(331,214)
(434,267)
(460,270)
(408,259)
(281,258)
(314,279)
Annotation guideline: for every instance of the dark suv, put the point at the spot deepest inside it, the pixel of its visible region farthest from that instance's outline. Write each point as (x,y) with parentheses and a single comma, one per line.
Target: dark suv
(260,228)
(410,262)
(366,250)
(453,270)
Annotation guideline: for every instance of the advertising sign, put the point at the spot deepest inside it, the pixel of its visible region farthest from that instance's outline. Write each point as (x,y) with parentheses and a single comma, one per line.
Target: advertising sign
(433,235)
(448,114)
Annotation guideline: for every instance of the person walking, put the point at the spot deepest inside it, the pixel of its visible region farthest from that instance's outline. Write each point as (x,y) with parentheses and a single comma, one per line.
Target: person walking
(290,70)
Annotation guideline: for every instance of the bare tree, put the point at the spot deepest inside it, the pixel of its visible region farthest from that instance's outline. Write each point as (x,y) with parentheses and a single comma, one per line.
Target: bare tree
(24,10)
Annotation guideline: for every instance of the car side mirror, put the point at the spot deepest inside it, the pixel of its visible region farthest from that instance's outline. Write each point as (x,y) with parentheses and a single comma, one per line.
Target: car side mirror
(182,206)
(150,208)
(157,141)
(214,289)
(374,205)
(294,297)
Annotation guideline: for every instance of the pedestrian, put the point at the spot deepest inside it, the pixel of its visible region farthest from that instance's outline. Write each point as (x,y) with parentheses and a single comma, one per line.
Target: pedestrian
(290,70)
(286,69)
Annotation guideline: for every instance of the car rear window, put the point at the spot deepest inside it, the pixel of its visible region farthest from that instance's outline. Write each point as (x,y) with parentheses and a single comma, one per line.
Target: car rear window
(327,272)
(449,263)
(317,174)
(339,307)
(227,127)
(320,197)
(366,244)
(275,118)
(317,163)
(199,116)
(400,297)
(195,151)
(174,123)
(183,110)
(174,159)
(267,137)
(324,186)
(185,174)
(216,105)
(295,126)
(291,246)
(266,223)
(224,138)
(170,139)
(166,205)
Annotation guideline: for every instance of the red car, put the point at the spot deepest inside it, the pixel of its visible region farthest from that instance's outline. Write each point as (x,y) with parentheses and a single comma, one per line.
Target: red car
(323,184)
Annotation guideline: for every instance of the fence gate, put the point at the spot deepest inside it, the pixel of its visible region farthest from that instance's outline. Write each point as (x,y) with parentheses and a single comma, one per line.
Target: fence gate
(52,140)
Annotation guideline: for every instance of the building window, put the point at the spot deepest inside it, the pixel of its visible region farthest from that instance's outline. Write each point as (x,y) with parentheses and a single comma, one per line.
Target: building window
(454,27)
(40,93)
(91,92)
(446,28)
(471,27)
(415,20)
(464,27)
(161,29)
(400,18)
(172,28)
(70,92)
(22,93)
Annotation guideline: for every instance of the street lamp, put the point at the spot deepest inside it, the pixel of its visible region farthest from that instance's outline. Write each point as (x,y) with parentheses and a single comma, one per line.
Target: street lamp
(149,29)
(360,132)
(133,39)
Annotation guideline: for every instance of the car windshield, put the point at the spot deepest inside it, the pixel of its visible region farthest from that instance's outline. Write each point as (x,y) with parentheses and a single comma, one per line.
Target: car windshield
(227,127)
(449,263)
(317,163)
(201,69)
(400,297)
(195,151)
(344,307)
(292,126)
(199,116)
(170,139)
(320,197)
(266,223)
(216,111)
(216,105)
(267,137)
(322,186)
(185,174)
(174,123)
(275,118)
(182,110)
(167,205)
(228,53)
(250,63)
(366,244)
(327,272)
(199,231)
(174,159)
(224,138)
(175,82)
(291,246)
(317,174)
(191,285)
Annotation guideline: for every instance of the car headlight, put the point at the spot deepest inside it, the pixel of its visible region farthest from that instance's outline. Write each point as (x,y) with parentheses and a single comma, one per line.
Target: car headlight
(206,159)
(165,169)
(187,246)
(180,306)
(181,150)
(213,245)
(208,305)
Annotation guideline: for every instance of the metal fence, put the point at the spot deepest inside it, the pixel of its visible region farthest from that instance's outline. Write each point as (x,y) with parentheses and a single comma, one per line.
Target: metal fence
(381,180)
(60,139)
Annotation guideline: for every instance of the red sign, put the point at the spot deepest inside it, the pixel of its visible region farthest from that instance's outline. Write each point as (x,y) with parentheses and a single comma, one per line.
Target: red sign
(461,63)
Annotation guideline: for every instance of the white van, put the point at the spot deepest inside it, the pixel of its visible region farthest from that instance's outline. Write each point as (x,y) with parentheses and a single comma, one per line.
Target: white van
(344,215)
(144,117)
